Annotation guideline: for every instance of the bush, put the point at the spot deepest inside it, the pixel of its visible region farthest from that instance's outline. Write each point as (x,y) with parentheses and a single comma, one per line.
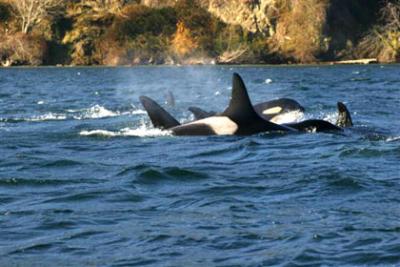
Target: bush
(383,41)
(299,33)
(201,25)
(22,49)
(137,19)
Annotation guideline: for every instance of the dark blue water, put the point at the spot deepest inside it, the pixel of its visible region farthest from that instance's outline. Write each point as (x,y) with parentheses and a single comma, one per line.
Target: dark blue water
(85,180)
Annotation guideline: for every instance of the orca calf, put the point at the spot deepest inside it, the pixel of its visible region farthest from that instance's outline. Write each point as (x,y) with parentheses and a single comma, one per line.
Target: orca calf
(267,110)
(344,120)
(239,118)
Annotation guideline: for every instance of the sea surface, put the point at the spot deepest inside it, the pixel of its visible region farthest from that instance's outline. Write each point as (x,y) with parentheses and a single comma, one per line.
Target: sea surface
(85,180)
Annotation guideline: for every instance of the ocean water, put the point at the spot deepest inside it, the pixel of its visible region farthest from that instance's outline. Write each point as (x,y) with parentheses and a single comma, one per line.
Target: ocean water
(86,181)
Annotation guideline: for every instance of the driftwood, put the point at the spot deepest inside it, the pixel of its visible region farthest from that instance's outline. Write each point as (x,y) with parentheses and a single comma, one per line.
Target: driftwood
(356,61)
(231,56)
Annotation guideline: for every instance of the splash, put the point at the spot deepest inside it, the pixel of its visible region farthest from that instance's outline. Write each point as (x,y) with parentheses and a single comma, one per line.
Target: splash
(142,131)
(95,112)
(393,139)
(98,112)
(331,117)
(268,81)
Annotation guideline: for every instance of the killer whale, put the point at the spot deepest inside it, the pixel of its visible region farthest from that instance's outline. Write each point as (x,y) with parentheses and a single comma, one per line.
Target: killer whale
(159,117)
(239,118)
(267,110)
(313,125)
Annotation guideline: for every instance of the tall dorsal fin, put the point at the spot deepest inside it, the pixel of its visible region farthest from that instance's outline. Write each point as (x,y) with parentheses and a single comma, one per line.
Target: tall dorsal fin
(241,111)
(240,107)
(344,118)
(158,116)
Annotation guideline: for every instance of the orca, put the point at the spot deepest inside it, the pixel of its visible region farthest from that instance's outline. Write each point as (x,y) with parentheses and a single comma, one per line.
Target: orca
(344,120)
(158,116)
(239,118)
(267,110)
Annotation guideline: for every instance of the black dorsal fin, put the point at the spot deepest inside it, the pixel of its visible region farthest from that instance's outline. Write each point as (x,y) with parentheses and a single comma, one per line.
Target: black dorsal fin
(344,118)
(201,114)
(241,111)
(240,107)
(158,116)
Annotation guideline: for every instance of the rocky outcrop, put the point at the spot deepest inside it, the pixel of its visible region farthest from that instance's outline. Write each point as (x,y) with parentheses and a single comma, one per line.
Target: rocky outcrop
(252,15)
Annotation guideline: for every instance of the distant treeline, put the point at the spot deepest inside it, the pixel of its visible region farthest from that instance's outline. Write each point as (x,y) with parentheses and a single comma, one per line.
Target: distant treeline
(121,32)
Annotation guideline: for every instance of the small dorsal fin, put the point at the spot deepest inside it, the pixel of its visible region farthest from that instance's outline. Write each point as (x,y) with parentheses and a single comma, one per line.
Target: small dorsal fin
(201,114)
(241,111)
(170,99)
(158,116)
(344,118)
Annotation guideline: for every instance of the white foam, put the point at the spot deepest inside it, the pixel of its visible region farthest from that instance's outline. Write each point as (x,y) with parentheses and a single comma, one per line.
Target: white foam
(95,112)
(393,139)
(98,112)
(331,117)
(287,117)
(47,117)
(268,81)
(142,131)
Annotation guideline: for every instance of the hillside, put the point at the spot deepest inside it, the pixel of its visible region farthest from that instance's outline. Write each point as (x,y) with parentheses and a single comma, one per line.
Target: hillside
(118,32)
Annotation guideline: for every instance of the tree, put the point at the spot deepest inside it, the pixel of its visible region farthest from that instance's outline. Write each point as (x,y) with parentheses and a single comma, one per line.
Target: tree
(32,12)
(383,41)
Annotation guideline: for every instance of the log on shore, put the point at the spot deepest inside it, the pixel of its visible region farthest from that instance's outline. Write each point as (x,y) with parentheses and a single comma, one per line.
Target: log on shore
(356,61)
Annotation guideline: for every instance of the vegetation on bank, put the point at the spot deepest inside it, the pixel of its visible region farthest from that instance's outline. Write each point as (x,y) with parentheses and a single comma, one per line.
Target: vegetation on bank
(121,32)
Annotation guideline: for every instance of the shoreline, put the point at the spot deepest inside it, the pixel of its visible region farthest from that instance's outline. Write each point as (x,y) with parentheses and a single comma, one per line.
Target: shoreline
(325,63)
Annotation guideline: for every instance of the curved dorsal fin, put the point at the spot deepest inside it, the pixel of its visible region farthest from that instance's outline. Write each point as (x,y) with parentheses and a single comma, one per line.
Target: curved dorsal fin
(344,118)
(158,116)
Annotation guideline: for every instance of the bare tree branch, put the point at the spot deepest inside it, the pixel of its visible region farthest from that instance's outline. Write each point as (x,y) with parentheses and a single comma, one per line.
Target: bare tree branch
(32,12)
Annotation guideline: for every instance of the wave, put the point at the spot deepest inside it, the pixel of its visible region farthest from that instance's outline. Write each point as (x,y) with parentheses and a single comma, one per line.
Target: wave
(393,139)
(94,112)
(142,131)
(45,117)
